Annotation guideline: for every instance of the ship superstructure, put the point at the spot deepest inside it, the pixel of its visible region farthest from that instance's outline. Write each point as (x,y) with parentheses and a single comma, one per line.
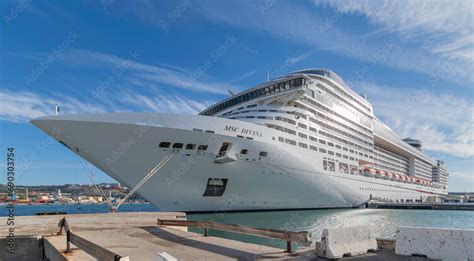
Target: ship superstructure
(302,141)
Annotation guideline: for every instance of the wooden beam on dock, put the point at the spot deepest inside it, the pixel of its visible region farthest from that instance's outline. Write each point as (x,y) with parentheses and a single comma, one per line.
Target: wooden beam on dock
(302,237)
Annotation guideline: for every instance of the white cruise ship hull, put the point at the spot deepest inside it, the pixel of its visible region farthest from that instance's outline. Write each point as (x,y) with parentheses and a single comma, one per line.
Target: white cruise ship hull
(126,147)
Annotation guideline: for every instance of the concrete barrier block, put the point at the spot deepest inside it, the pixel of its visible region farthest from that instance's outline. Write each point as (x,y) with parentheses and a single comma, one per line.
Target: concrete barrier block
(435,243)
(165,257)
(346,241)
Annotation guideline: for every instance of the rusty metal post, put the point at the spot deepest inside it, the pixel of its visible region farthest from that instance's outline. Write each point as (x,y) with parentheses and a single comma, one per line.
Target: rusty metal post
(288,246)
(205,232)
(68,241)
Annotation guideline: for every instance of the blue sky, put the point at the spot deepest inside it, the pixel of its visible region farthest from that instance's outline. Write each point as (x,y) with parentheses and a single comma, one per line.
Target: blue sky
(413,59)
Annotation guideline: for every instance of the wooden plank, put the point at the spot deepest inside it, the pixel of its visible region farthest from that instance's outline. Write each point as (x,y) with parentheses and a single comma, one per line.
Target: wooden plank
(302,237)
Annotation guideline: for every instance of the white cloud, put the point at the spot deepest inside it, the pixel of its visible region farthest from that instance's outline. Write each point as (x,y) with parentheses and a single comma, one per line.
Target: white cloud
(23,106)
(305,25)
(442,122)
(150,74)
(444,27)
(162,103)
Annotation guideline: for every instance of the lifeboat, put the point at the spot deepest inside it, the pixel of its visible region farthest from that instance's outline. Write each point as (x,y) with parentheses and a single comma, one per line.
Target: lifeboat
(404,178)
(379,174)
(369,172)
(419,181)
(388,175)
(396,177)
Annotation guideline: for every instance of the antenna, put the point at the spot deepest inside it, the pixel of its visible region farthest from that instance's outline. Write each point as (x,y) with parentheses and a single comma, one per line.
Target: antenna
(268,75)
(57,109)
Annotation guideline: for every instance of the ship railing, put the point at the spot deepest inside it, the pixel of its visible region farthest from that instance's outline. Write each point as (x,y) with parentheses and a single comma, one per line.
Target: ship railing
(85,245)
(301,237)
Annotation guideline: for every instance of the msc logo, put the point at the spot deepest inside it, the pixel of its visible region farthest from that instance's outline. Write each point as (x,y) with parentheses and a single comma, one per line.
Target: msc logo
(231,128)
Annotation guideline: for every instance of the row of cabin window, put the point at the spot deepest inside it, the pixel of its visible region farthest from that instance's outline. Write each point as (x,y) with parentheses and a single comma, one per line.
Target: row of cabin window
(190,146)
(315,131)
(317,104)
(305,136)
(311,147)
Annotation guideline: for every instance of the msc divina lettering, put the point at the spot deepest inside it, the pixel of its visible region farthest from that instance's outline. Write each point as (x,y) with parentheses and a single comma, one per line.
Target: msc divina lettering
(301,141)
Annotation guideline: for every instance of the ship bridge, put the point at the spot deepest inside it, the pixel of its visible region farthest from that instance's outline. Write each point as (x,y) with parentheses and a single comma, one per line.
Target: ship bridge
(279,90)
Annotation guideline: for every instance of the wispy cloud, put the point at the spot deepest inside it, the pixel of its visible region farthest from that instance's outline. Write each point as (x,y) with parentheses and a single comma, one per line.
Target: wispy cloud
(443,122)
(162,75)
(163,103)
(23,106)
(444,27)
(303,24)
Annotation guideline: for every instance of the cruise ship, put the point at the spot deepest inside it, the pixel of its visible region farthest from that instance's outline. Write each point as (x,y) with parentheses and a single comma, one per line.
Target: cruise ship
(302,141)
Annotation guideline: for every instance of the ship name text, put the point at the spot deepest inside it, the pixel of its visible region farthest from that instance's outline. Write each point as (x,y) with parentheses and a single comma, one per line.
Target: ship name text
(243,131)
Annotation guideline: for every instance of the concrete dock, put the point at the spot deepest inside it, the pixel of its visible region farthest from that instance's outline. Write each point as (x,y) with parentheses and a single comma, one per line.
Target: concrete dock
(137,236)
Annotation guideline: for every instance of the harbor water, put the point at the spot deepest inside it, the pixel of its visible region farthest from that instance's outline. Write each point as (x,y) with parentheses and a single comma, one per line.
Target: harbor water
(384,221)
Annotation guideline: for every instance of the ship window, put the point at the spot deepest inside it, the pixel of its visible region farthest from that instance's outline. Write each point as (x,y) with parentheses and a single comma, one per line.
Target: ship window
(329,165)
(251,106)
(240,136)
(194,129)
(344,148)
(338,154)
(351,151)
(209,131)
(292,132)
(330,152)
(338,146)
(344,156)
(330,144)
(322,150)
(313,138)
(303,145)
(164,144)
(263,154)
(301,125)
(178,146)
(292,142)
(202,147)
(343,167)
(244,151)
(249,138)
(322,141)
(351,158)
(190,146)
(281,139)
(302,135)
(311,147)
(240,108)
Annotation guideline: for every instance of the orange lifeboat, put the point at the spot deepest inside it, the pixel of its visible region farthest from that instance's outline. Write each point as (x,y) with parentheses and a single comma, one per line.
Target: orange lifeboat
(396,177)
(369,172)
(388,175)
(419,181)
(404,178)
(379,174)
